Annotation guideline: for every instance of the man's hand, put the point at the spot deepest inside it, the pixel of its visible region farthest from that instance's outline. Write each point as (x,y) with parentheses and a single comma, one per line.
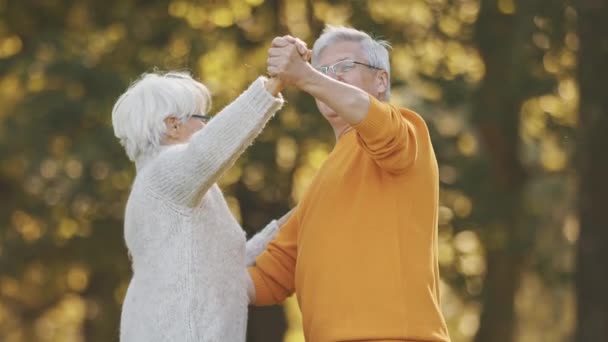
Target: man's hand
(300,45)
(287,60)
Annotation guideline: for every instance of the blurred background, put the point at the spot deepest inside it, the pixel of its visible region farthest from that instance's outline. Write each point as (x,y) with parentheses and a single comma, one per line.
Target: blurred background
(512,90)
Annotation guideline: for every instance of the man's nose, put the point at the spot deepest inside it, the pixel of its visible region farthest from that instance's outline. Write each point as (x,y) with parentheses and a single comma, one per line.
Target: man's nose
(339,78)
(335,76)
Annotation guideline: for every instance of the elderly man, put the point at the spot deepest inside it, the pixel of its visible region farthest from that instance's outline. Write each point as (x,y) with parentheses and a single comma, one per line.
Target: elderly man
(360,251)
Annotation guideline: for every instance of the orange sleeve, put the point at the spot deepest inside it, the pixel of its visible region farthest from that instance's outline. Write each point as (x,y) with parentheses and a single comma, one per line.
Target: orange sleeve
(274,270)
(388,135)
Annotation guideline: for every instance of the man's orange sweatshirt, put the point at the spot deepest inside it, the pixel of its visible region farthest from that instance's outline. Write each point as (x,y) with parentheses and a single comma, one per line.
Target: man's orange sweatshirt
(360,250)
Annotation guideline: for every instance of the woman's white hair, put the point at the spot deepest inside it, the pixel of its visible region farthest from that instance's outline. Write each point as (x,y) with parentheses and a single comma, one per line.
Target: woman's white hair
(375,49)
(138,114)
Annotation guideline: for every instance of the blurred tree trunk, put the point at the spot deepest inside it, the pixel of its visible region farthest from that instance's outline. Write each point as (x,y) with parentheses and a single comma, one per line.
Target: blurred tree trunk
(501,40)
(592,273)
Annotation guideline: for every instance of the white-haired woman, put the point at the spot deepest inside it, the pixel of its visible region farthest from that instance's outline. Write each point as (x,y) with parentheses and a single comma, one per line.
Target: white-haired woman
(189,254)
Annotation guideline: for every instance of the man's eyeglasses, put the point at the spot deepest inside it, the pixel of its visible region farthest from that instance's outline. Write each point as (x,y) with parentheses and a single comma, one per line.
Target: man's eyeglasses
(342,67)
(203,118)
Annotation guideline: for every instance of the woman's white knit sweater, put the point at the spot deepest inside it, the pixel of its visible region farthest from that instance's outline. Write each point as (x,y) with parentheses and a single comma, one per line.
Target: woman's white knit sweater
(188,252)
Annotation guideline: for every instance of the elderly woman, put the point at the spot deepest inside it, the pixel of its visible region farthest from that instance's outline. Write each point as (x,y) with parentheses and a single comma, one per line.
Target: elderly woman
(189,254)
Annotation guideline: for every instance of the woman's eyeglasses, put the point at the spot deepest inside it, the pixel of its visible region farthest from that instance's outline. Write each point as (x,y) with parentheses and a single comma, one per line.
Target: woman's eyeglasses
(202,117)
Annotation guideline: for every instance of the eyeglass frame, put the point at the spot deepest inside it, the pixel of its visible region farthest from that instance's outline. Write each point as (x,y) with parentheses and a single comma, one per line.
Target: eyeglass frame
(204,118)
(325,69)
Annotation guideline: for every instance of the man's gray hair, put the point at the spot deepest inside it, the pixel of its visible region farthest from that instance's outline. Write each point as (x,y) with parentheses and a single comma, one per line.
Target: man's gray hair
(138,114)
(375,49)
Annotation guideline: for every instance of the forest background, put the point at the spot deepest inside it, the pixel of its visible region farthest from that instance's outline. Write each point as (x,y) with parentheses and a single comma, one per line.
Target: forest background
(513,92)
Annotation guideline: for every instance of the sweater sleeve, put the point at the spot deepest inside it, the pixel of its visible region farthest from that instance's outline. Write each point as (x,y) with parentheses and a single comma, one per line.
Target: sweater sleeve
(274,271)
(389,136)
(259,241)
(187,172)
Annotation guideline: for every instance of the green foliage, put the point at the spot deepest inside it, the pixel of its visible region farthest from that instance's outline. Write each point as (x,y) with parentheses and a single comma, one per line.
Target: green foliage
(64,178)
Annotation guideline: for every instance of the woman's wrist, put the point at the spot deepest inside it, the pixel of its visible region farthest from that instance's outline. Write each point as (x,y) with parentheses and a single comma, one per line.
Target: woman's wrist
(274,86)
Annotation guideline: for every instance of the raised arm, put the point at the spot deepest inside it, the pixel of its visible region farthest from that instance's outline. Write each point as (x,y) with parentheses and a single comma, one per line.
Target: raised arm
(350,102)
(388,134)
(184,173)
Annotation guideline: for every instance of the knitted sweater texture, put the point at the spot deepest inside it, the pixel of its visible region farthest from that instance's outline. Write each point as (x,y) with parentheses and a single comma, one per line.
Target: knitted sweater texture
(188,252)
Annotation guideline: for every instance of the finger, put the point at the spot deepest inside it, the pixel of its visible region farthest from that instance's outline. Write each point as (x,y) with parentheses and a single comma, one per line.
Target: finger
(276,51)
(308,55)
(302,49)
(272,71)
(285,51)
(280,42)
(300,42)
(274,62)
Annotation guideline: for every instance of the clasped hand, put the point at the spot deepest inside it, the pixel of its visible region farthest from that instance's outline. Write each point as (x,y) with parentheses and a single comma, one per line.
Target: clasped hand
(288,60)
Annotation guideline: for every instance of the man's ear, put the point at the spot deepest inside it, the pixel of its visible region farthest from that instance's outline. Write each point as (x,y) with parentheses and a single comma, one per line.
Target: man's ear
(382,81)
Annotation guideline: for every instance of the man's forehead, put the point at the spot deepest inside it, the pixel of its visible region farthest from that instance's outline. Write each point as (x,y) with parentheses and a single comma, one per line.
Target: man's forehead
(340,51)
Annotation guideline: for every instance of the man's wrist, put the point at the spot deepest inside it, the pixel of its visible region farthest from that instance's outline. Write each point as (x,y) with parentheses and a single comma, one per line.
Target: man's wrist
(308,78)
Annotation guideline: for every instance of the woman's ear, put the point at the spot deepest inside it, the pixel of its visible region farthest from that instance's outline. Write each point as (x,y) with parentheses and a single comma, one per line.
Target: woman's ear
(173,126)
